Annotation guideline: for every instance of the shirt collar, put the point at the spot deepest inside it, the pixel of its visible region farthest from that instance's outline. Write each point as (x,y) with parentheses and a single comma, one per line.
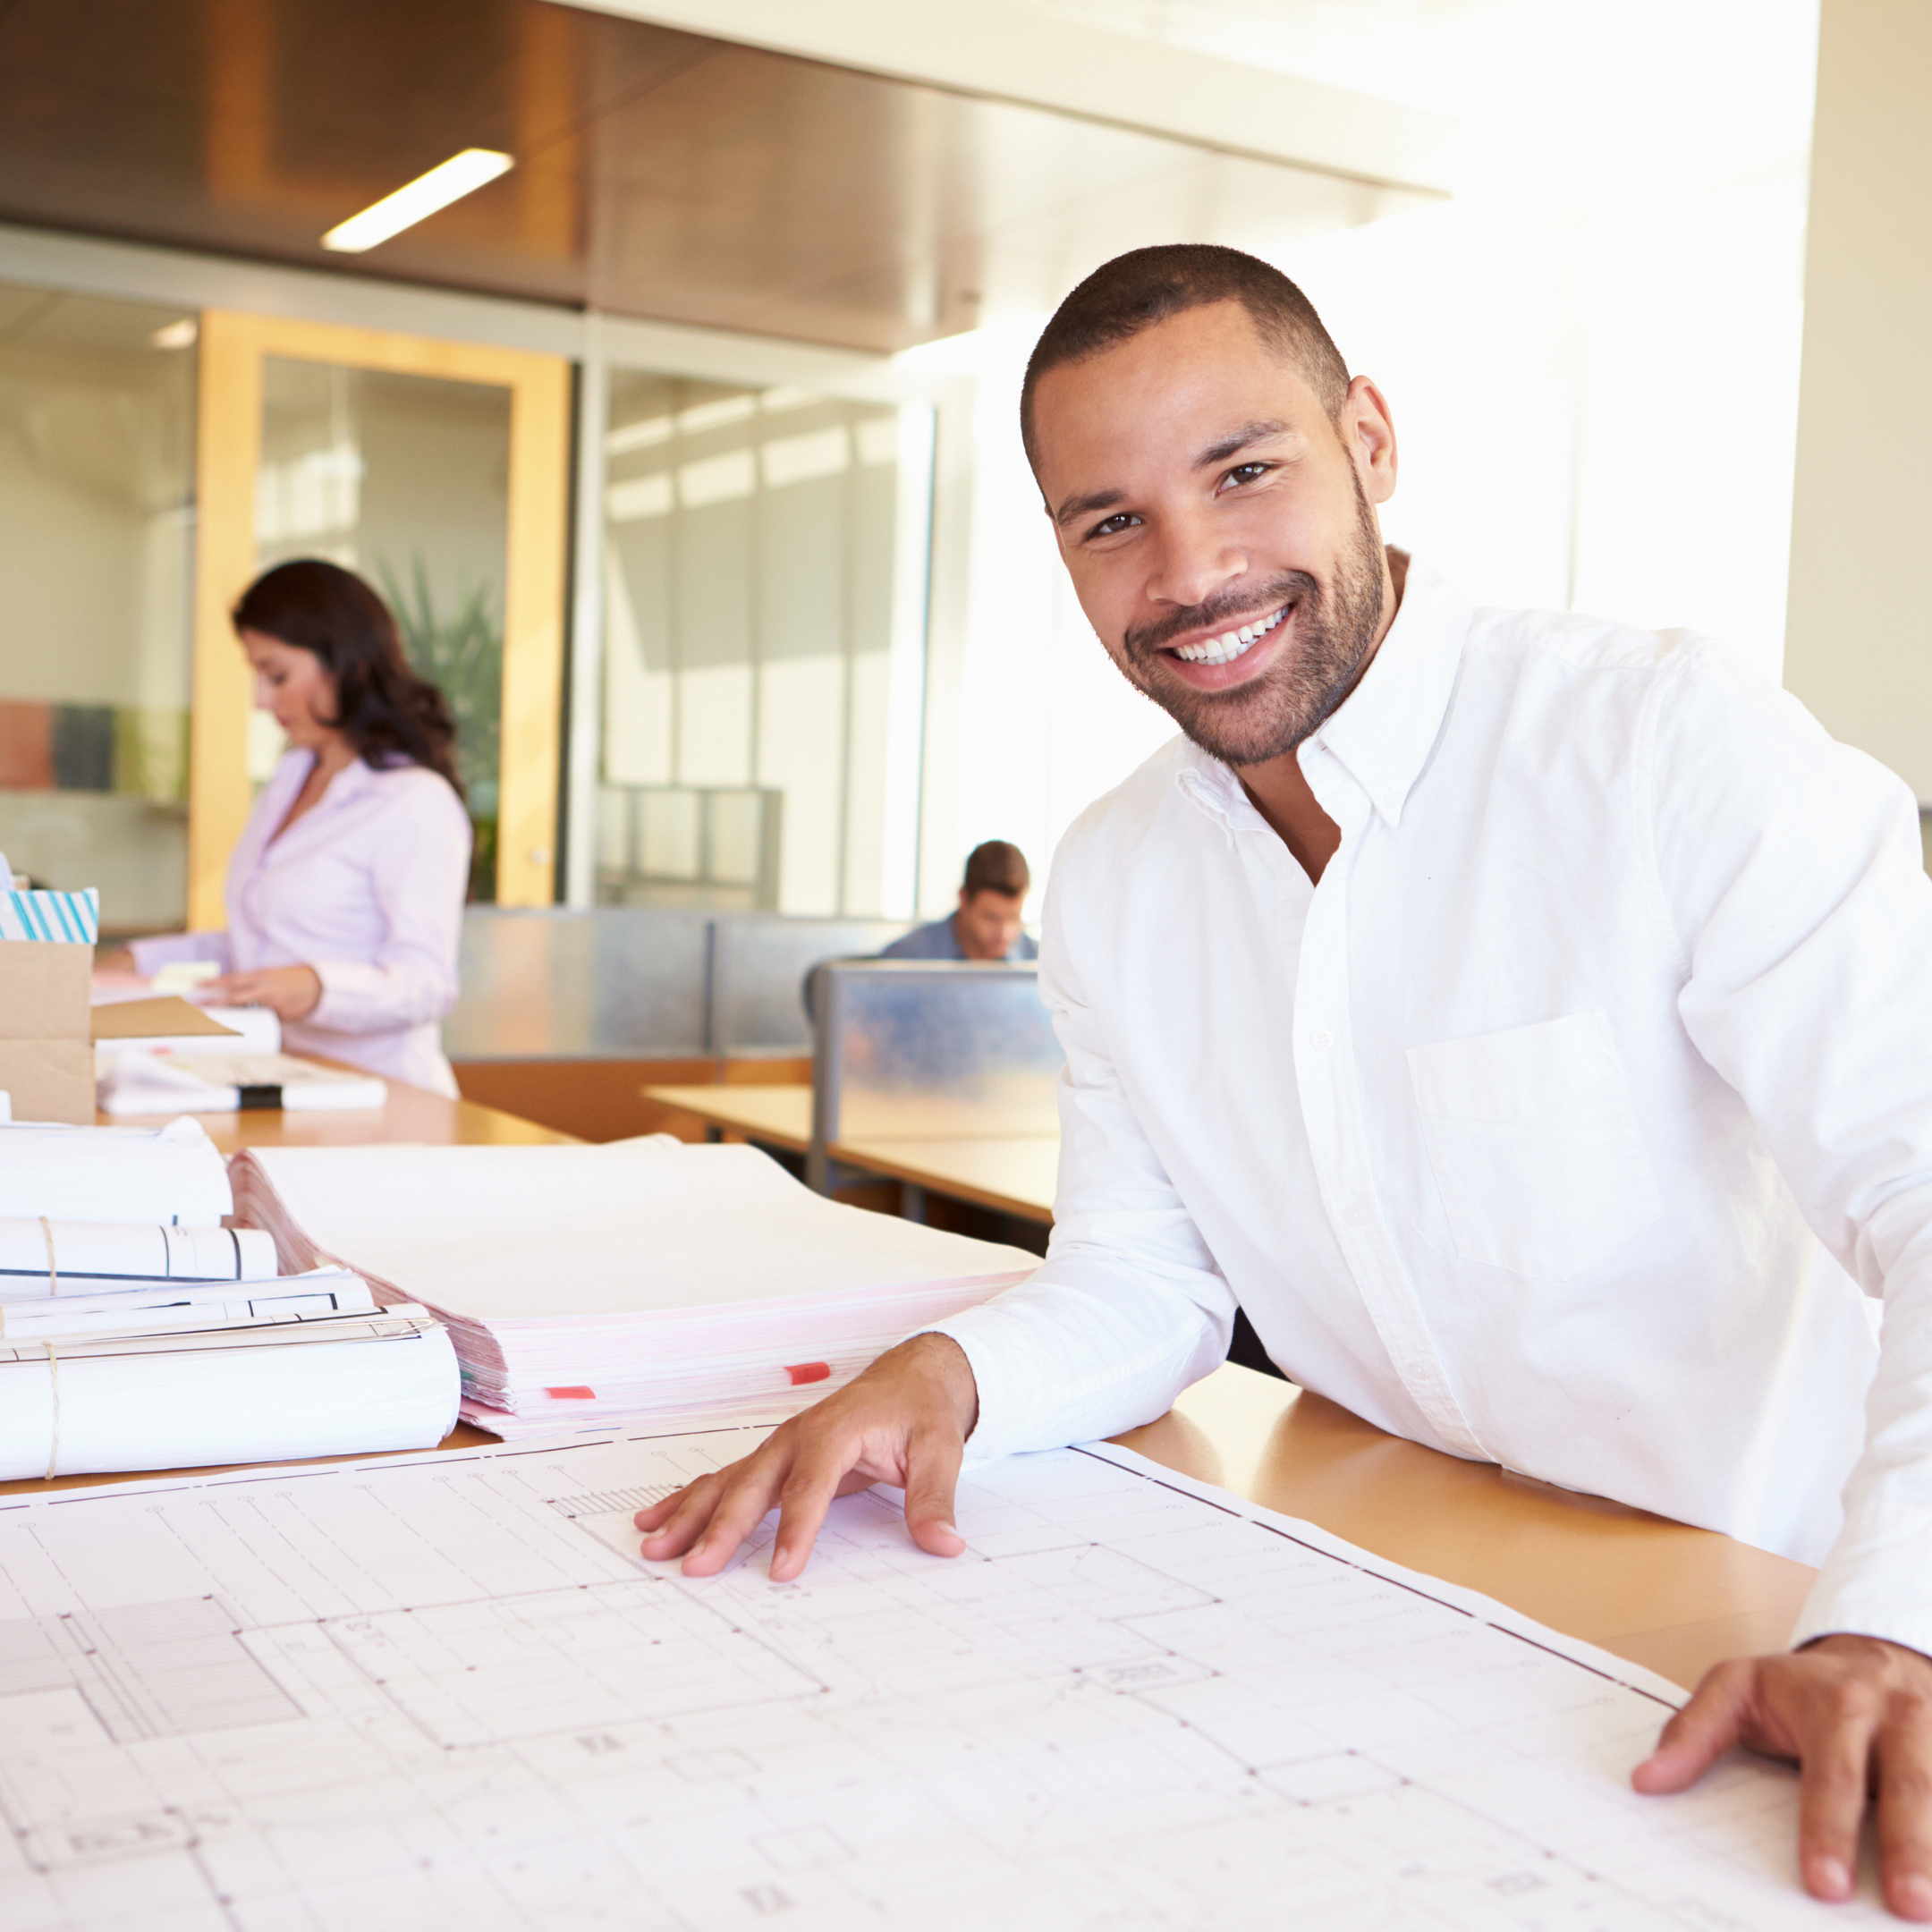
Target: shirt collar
(1388,724)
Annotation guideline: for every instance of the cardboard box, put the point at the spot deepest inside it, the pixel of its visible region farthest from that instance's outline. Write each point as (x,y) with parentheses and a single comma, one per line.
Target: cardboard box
(156,1019)
(48,1080)
(44,991)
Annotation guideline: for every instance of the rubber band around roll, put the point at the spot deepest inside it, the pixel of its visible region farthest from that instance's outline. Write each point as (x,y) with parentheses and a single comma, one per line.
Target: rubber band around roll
(53,1454)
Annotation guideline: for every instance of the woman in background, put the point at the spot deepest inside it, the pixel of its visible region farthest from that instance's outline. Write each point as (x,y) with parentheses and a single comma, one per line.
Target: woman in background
(345,889)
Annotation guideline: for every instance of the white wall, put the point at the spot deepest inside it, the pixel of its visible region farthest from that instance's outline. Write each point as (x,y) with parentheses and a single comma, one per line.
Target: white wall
(1858,650)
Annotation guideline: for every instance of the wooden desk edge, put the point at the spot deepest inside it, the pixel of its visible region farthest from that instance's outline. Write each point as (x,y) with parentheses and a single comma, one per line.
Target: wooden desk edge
(872,1156)
(722,1113)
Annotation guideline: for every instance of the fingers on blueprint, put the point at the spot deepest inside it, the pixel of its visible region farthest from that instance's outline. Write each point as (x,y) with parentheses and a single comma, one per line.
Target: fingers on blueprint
(903,1422)
(1856,1715)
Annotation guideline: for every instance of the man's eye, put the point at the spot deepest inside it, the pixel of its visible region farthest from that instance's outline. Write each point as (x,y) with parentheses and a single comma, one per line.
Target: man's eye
(1247,472)
(1114,525)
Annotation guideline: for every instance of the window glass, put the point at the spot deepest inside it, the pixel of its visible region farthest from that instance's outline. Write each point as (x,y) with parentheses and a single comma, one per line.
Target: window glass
(760,699)
(97,479)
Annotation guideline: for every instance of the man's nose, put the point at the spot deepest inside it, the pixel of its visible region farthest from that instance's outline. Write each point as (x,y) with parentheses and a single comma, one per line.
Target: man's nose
(1195,560)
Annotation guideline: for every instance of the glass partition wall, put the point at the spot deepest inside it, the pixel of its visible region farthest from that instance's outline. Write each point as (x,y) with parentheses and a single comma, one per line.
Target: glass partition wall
(97,487)
(440,470)
(758,559)
(764,584)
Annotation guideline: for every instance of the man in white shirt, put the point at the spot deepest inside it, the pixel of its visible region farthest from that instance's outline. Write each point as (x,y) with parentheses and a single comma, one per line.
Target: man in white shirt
(1526,1019)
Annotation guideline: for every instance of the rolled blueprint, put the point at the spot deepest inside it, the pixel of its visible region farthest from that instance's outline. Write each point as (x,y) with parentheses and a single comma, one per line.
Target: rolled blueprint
(113,1173)
(90,1257)
(161,1308)
(351,1385)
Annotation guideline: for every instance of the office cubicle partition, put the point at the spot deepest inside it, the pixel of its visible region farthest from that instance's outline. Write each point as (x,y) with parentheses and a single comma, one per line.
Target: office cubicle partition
(929,1050)
(642,983)
(759,968)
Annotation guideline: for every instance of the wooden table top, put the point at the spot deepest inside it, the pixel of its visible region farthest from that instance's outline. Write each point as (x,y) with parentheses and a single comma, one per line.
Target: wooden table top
(781,1116)
(1657,1592)
(413,1113)
(1012,1173)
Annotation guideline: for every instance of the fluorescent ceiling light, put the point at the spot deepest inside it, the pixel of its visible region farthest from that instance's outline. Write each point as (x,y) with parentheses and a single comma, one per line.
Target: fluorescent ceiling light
(463,174)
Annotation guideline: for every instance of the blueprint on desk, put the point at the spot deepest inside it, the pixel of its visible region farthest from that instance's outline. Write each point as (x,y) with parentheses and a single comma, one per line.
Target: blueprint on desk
(443,1692)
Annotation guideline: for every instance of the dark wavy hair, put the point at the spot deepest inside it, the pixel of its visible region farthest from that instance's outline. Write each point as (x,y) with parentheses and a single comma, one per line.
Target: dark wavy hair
(389,713)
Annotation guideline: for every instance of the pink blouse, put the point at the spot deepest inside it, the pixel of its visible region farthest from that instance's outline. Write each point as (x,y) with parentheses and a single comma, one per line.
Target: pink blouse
(366,886)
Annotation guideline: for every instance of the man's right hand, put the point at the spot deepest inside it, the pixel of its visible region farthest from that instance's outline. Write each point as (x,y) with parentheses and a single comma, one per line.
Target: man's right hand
(904,1421)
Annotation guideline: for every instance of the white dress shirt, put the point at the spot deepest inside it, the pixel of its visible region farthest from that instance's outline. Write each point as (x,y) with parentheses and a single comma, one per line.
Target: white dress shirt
(366,886)
(1559,1126)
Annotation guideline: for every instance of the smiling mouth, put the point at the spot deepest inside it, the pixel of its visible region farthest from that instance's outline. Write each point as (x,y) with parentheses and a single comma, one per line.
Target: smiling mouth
(1231,644)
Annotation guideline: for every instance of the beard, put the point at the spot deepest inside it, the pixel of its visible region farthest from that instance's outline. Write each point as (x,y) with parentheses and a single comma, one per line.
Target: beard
(1335,630)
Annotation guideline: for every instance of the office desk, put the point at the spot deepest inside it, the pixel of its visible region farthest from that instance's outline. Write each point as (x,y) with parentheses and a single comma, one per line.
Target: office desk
(1011,1174)
(779,1117)
(1674,1599)
(413,1114)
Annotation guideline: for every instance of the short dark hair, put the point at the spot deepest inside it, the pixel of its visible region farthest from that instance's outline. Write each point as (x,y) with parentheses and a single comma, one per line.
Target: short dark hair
(389,715)
(997,867)
(1147,285)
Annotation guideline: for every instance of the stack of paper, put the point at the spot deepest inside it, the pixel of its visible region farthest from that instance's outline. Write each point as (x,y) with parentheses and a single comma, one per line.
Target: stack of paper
(591,1286)
(168,1081)
(137,1332)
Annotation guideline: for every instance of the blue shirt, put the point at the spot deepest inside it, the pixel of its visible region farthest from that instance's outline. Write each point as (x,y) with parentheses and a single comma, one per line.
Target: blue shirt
(940,941)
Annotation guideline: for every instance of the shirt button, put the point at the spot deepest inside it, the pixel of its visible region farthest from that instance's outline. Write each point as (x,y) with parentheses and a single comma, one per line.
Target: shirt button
(1321,1037)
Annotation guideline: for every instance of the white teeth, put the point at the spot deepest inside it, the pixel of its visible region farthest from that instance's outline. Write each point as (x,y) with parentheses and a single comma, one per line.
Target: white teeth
(1231,644)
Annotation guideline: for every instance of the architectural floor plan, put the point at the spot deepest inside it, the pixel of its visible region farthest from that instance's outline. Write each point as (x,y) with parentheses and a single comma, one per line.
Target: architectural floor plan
(443,1692)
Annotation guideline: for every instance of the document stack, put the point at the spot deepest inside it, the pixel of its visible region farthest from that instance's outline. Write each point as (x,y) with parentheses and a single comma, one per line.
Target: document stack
(602,1286)
(137,1331)
(223,1081)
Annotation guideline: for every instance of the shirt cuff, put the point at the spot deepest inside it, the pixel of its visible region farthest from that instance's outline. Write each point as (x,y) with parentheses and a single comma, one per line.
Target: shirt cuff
(1874,1581)
(1002,1426)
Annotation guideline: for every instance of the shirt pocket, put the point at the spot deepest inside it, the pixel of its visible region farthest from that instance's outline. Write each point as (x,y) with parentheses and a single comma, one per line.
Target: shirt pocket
(1535,1145)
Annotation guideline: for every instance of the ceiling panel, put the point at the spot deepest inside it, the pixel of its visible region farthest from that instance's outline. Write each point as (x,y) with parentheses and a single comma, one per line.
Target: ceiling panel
(658,173)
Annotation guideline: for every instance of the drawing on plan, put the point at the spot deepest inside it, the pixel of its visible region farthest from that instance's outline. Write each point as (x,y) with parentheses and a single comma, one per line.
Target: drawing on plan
(433,1692)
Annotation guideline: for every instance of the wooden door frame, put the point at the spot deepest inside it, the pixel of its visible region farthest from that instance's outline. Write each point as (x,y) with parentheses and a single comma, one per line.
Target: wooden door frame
(227,458)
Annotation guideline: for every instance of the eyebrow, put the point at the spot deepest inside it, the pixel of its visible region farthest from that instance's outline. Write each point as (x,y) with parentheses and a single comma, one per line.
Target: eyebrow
(1229,446)
(1079,506)
(1259,431)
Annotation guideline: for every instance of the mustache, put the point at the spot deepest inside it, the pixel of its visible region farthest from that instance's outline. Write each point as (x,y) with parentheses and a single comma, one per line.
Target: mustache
(1291,587)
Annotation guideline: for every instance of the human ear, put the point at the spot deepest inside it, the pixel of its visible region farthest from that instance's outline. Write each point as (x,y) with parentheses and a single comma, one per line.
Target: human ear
(1369,435)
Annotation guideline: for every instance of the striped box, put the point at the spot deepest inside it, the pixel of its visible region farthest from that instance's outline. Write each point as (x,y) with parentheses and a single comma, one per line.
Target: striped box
(69,918)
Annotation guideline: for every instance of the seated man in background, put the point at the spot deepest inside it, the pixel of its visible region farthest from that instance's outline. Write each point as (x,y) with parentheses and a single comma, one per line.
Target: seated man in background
(1526,1019)
(987,926)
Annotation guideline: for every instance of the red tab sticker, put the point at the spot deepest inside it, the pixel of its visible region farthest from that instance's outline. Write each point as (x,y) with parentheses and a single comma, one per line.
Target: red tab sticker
(809,1371)
(571,1395)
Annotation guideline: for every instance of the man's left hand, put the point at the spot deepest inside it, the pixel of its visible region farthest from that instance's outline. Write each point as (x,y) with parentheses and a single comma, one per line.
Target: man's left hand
(1855,1713)
(291,992)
